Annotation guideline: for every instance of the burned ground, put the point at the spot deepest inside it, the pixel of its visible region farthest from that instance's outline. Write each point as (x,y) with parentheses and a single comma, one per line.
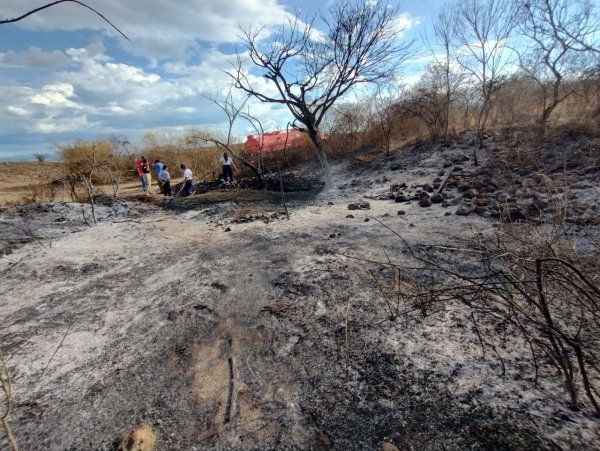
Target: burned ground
(224,325)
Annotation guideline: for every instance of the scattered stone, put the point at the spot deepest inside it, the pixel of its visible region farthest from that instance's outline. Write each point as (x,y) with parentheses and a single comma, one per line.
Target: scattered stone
(470,193)
(447,163)
(512,213)
(401,198)
(335,235)
(481,201)
(427,187)
(480,210)
(437,198)
(463,210)
(228,229)
(396,167)
(362,205)
(502,197)
(398,186)
(330,203)
(447,213)
(424,200)
(385,215)
(350,216)
(441,173)
(401,212)
(367,219)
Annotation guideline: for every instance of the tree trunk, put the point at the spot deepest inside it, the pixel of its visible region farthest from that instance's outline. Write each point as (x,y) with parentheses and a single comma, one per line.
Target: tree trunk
(314,137)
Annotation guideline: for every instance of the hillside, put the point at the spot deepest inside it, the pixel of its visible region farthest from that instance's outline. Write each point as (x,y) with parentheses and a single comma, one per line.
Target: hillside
(223,324)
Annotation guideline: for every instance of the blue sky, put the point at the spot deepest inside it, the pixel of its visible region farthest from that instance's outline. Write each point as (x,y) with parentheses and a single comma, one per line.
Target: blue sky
(65,74)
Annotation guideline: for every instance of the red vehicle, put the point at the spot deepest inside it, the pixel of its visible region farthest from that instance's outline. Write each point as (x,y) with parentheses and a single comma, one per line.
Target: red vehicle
(274,141)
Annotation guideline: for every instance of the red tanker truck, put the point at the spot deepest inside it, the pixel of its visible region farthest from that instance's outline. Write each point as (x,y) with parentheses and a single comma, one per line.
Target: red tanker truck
(274,141)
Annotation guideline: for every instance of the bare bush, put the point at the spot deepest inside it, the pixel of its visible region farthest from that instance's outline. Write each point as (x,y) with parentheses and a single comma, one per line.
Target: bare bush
(531,279)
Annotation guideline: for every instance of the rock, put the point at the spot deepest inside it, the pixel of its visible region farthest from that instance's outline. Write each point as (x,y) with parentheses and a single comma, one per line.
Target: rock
(350,216)
(396,167)
(502,197)
(398,186)
(228,229)
(401,198)
(362,205)
(512,213)
(481,201)
(367,219)
(427,187)
(463,210)
(447,163)
(470,193)
(401,212)
(424,200)
(447,213)
(437,198)
(330,203)
(446,204)
(441,173)
(480,210)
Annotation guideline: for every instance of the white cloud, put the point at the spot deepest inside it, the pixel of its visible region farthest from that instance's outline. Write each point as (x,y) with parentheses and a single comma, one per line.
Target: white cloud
(55,96)
(33,57)
(158,29)
(17,111)
(402,23)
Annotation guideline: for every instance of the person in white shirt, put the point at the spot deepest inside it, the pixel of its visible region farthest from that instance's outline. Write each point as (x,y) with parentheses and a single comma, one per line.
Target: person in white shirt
(187,180)
(228,166)
(165,178)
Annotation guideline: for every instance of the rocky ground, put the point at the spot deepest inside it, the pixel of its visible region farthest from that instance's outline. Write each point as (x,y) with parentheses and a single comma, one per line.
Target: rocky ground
(223,324)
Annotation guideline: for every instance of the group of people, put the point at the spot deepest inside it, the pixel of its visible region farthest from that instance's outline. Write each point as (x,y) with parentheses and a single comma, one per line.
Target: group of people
(164,177)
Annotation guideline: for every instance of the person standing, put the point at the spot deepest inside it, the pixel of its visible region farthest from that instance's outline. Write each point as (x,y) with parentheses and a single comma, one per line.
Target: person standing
(158,166)
(164,178)
(228,166)
(138,165)
(187,180)
(146,175)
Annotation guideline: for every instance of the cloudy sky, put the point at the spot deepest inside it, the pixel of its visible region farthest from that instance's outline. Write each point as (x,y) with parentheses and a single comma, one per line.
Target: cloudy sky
(65,74)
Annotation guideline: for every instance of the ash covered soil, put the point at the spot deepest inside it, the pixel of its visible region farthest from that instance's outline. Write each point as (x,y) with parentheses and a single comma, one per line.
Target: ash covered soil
(224,325)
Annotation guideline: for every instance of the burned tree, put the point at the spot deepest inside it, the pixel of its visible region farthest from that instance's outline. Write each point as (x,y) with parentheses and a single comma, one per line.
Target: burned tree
(563,37)
(482,30)
(311,71)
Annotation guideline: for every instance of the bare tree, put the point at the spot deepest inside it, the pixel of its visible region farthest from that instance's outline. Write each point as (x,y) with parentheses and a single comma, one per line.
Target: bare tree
(482,29)
(233,111)
(311,71)
(386,112)
(442,48)
(563,36)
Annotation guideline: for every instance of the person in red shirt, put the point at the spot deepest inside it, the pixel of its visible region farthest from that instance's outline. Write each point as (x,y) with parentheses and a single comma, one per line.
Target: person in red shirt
(144,173)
